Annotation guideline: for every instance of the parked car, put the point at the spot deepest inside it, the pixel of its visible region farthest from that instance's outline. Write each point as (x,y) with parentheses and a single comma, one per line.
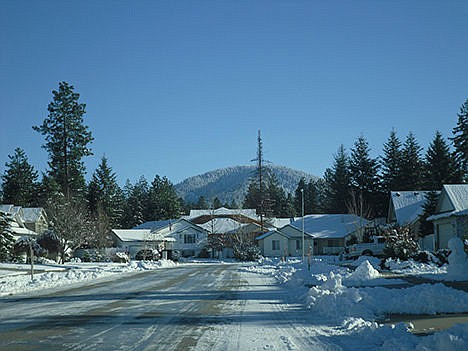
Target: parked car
(148,254)
(374,248)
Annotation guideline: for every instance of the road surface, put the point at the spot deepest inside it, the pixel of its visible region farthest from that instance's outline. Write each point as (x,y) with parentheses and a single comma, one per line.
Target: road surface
(191,307)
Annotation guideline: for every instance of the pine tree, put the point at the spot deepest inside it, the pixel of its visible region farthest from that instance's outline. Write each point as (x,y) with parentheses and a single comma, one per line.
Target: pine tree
(411,166)
(337,184)
(429,208)
(216,203)
(439,165)
(104,193)
(67,139)
(19,183)
(257,195)
(311,198)
(391,164)
(365,179)
(460,139)
(163,200)
(7,241)
(136,209)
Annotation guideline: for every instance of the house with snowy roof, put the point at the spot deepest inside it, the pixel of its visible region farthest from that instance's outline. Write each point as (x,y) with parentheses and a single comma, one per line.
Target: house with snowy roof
(239,215)
(406,207)
(35,219)
(22,222)
(227,231)
(186,237)
(325,233)
(451,217)
(133,240)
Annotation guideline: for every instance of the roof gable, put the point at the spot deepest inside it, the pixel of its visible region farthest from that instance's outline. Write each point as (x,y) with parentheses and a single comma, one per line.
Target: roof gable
(406,206)
(330,225)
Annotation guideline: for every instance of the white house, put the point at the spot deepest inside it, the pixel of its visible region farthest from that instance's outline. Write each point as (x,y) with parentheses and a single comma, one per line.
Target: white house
(286,241)
(451,217)
(326,233)
(187,237)
(134,240)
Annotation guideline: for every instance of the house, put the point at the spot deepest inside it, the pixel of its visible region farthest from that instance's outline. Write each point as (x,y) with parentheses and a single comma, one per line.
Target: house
(406,207)
(284,242)
(35,219)
(17,226)
(326,233)
(134,240)
(239,215)
(451,217)
(186,237)
(225,231)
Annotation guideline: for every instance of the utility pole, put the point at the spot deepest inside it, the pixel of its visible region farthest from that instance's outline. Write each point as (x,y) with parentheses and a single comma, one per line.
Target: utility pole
(303,240)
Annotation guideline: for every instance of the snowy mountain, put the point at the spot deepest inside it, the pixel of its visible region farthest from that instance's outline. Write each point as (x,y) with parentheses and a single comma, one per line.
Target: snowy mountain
(231,183)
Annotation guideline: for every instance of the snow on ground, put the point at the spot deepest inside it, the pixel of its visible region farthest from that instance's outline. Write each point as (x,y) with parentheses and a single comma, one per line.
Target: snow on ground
(346,305)
(16,279)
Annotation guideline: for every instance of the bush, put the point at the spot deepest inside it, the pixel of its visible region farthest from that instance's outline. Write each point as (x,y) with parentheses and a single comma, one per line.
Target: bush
(400,244)
(246,251)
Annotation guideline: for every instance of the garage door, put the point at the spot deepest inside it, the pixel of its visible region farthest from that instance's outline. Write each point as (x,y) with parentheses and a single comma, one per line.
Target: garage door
(445,234)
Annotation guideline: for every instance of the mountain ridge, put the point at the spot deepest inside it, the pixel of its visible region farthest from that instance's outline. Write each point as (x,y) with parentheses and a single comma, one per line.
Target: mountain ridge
(231,183)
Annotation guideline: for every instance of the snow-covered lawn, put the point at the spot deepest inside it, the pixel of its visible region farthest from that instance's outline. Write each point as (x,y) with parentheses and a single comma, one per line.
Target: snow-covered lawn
(16,279)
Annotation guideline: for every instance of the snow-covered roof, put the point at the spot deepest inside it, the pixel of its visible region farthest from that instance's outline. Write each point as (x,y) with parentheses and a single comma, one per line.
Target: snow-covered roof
(251,213)
(281,222)
(132,234)
(156,225)
(221,225)
(18,230)
(6,208)
(32,214)
(330,225)
(408,205)
(267,234)
(458,196)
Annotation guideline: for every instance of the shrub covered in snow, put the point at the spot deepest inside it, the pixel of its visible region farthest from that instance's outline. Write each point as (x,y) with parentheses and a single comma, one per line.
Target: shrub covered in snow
(246,251)
(400,244)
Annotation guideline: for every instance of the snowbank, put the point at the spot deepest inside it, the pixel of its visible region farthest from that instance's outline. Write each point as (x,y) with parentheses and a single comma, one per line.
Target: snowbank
(334,300)
(76,273)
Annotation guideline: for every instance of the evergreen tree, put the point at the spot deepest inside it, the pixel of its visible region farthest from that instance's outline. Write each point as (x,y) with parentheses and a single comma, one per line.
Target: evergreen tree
(460,139)
(301,187)
(429,208)
(105,194)
(216,203)
(67,139)
(439,165)
(7,241)
(201,204)
(19,182)
(411,165)
(365,179)
(337,184)
(391,164)
(257,195)
(163,200)
(311,198)
(136,203)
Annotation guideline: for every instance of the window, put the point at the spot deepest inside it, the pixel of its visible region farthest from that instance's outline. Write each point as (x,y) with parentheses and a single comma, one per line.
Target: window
(275,245)
(298,244)
(189,238)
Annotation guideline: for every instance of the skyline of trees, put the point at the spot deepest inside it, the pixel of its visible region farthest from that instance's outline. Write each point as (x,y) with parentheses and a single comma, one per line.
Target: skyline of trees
(354,176)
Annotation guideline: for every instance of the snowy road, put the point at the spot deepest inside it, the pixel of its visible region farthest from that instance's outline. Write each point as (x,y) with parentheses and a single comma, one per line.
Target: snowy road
(196,307)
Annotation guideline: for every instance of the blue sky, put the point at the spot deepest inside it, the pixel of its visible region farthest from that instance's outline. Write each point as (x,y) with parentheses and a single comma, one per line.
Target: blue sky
(177,88)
